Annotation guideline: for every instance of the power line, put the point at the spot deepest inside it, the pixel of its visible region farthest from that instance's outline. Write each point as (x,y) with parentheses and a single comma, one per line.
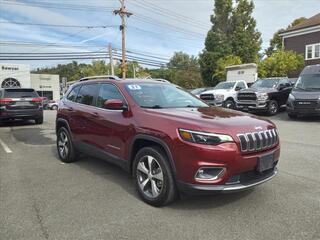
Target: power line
(57,25)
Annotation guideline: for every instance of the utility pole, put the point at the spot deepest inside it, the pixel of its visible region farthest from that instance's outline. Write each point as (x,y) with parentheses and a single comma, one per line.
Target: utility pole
(123,13)
(111,59)
(134,70)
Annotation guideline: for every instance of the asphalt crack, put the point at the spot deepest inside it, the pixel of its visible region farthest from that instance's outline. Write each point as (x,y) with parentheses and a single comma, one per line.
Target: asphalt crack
(43,229)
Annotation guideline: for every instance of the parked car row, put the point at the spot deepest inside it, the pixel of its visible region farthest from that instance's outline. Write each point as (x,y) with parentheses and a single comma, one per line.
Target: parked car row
(270,94)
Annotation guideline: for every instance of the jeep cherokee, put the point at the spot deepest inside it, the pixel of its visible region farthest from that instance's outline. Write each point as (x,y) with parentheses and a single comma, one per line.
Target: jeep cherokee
(169,140)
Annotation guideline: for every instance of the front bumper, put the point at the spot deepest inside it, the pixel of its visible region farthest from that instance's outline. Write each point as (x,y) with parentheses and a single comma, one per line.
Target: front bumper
(241,186)
(303,111)
(252,105)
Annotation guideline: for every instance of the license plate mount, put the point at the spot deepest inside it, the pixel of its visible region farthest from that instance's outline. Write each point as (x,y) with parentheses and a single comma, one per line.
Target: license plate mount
(265,162)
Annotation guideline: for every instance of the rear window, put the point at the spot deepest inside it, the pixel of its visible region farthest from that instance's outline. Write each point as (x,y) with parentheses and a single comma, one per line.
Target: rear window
(20,93)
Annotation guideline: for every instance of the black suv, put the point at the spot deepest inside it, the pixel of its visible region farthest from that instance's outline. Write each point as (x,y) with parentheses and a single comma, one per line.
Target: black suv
(305,96)
(20,103)
(266,95)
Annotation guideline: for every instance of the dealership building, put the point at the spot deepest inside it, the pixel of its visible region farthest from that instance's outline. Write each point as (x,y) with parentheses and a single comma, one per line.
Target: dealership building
(19,76)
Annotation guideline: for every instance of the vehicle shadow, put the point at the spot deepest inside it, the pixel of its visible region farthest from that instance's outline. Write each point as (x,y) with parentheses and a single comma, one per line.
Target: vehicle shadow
(109,172)
(118,176)
(16,123)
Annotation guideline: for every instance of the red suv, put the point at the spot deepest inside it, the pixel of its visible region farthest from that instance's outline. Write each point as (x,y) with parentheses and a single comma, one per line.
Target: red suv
(168,139)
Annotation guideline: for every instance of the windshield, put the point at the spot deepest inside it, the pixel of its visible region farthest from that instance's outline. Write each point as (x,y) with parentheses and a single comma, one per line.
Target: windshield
(309,82)
(225,85)
(20,93)
(152,95)
(266,83)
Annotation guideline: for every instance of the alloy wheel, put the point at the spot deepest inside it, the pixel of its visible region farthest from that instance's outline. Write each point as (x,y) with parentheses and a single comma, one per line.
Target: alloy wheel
(63,144)
(150,176)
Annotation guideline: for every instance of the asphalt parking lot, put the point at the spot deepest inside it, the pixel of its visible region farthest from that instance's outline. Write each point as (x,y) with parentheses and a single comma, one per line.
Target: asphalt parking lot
(41,198)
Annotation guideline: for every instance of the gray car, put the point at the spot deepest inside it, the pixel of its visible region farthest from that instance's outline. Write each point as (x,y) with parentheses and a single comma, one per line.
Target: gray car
(20,103)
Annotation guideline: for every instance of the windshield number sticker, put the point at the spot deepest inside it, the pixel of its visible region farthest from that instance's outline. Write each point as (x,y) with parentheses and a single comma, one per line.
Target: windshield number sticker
(134,87)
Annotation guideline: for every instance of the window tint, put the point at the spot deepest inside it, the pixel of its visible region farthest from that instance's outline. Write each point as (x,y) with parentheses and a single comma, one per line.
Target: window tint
(284,81)
(73,94)
(87,94)
(20,93)
(241,85)
(108,91)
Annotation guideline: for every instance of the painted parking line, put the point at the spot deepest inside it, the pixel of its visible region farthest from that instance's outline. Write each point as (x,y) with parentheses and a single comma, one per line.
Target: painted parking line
(5,147)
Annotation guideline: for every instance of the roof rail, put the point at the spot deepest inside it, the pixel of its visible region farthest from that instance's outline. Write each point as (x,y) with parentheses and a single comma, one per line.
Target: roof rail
(107,77)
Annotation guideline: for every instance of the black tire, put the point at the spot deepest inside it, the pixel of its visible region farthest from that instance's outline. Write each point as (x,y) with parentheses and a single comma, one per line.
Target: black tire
(273,108)
(54,107)
(167,188)
(229,104)
(292,116)
(39,120)
(67,155)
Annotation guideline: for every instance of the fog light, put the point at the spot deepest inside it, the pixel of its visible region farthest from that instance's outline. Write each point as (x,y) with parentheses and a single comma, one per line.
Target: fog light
(209,173)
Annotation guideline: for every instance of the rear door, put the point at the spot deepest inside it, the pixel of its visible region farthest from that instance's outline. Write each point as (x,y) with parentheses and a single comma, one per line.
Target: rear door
(84,113)
(21,99)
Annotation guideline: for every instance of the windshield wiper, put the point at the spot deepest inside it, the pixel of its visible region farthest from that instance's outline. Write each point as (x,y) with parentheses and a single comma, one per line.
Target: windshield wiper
(153,107)
(300,88)
(313,88)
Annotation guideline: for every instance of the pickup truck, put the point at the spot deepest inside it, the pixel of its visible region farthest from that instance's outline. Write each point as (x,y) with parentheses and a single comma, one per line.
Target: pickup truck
(265,95)
(224,94)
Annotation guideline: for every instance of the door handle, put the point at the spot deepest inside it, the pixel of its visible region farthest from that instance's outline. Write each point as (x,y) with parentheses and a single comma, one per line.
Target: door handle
(94,115)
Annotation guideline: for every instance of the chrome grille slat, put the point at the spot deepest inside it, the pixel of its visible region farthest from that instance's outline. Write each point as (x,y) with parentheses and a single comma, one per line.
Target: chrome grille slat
(255,141)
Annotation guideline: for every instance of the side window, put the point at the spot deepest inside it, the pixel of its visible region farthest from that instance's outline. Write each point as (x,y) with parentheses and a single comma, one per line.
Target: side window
(241,85)
(284,82)
(87,94)
(108,91)
(73,94)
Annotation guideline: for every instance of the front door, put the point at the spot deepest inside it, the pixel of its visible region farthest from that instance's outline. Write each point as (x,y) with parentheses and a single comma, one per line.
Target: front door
(111,127)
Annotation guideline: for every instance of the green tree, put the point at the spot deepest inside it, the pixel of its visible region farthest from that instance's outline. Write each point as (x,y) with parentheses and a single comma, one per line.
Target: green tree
(276,41)
(222,63)
(246,39)
(281,63)
(217,43)
(184,70)
(233,32)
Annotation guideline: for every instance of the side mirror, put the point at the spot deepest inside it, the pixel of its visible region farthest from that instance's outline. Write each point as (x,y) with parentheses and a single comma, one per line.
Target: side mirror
(281,86)
(238,88)
(115,104)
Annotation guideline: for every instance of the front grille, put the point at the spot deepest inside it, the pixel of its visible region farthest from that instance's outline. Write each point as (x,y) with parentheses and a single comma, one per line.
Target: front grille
(207,97)
(306,104)
(255,141)
(247,97)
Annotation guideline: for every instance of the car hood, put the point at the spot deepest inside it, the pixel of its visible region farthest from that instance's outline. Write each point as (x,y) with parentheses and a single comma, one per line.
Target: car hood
(309,95)
(218,91)
(212,119)
(258,90)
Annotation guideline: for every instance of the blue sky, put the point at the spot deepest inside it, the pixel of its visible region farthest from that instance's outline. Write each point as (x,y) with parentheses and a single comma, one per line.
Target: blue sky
(158,27)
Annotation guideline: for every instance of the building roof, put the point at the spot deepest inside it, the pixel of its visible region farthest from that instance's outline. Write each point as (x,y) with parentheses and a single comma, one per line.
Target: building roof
(242,66)
(310,22)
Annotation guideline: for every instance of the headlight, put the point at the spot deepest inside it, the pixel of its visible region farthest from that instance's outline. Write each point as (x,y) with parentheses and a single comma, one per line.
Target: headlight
(203,137)
(262,96)
(219,97)
(291,97)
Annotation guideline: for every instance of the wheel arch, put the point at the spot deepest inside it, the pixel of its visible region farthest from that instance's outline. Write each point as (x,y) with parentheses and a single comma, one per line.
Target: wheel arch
(62,123)
(143,140)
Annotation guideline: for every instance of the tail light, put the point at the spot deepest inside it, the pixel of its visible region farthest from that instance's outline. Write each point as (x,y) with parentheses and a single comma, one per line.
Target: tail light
(37,100)
(5,101)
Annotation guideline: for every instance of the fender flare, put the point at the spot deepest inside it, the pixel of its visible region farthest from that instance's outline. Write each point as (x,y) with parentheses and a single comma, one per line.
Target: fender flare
(156,140)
